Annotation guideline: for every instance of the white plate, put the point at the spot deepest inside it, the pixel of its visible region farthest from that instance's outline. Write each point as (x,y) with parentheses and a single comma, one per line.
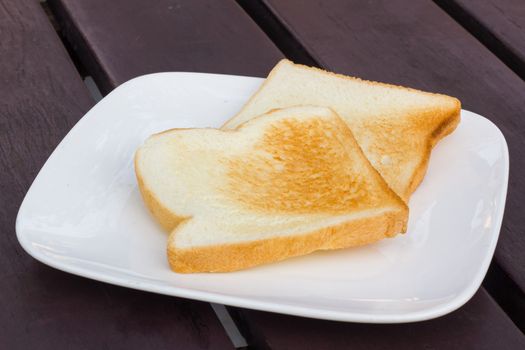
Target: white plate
(84,215)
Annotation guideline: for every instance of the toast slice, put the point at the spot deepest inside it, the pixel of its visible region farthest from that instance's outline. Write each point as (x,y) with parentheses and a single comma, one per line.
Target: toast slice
(285,184)
(396,127)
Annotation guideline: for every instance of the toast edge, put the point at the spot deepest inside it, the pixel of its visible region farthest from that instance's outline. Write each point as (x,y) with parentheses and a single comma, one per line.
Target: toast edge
(237,256)
(227,124)
(167,219)
(446,127)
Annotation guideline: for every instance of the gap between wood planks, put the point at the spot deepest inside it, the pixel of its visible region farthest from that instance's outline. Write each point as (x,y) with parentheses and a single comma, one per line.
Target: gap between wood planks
(497,282)
(285,41)
(483,35)
(237,339)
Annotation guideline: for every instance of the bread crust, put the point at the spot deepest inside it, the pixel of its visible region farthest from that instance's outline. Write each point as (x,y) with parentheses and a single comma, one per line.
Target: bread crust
(167,219)
(443,129)
(233,257)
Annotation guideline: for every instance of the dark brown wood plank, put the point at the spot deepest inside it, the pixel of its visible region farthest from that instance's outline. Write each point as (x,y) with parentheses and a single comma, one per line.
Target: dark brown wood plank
(417,44)
(480,324)
(121,39)
(42,308)
(498,24)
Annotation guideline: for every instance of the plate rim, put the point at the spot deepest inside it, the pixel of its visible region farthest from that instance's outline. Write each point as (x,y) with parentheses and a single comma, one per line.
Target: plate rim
(346,316)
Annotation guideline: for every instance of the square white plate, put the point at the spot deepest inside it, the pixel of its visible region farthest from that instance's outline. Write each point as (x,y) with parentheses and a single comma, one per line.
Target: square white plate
(84,215)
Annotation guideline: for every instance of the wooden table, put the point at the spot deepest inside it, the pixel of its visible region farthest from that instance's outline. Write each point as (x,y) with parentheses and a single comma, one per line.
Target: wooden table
(471,49)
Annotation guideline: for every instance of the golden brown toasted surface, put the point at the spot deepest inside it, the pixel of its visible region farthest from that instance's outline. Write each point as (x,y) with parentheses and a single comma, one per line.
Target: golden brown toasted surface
(400,150)
(302,166)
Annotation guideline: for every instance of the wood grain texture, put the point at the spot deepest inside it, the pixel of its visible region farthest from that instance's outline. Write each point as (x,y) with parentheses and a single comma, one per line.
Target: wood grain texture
(42,308)
(479,325)
(418,45)
(119,40)
(498,24)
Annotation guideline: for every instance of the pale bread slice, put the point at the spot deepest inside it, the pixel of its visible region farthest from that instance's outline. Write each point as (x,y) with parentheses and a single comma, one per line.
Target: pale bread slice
(288,183)
(396,127)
